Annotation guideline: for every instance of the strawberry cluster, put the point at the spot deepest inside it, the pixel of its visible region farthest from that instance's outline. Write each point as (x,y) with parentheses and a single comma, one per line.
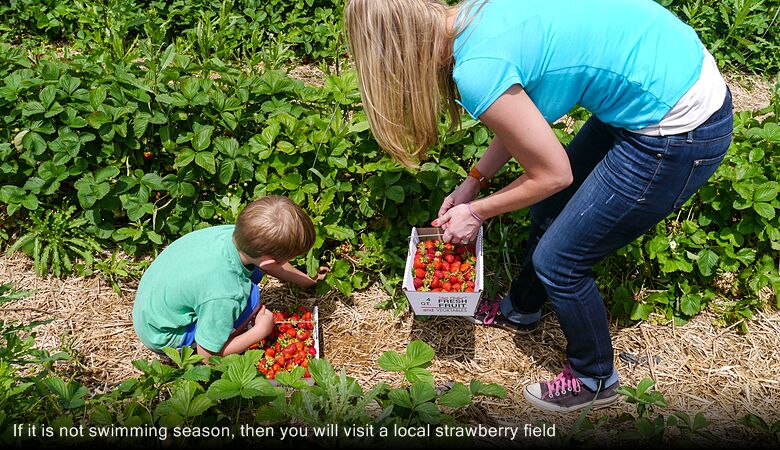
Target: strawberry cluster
(290,345)
(444,267)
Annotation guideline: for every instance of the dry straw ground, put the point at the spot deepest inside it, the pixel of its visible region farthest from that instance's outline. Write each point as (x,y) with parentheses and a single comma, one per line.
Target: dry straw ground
(699,367)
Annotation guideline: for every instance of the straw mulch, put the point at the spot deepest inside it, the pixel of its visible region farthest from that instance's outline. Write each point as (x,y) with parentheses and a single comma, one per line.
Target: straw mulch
(750,92)
(698,367)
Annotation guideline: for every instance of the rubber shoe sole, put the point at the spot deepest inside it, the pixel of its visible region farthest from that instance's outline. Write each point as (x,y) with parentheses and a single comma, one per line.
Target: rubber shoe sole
(599,402)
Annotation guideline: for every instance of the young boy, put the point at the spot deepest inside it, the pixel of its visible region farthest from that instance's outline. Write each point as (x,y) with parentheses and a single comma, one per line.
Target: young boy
(202,290)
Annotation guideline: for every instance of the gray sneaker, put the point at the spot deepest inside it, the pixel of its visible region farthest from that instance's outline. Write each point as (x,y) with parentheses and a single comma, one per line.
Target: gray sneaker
(566,393)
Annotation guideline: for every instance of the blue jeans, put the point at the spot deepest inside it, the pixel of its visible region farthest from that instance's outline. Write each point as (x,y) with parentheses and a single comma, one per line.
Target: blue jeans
(624,184)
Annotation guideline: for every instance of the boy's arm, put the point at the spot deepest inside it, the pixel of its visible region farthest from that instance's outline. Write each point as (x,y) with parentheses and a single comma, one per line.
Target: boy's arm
(286,272)
(264,323)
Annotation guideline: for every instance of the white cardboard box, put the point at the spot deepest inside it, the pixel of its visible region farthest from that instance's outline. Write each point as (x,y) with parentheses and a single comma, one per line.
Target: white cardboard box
(441,303)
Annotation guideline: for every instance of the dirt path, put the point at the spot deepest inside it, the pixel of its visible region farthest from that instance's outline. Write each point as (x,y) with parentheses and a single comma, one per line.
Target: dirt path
(698,367)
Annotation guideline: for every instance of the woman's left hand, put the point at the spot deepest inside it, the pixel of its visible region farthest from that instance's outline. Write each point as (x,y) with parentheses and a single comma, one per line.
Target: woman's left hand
(460,226)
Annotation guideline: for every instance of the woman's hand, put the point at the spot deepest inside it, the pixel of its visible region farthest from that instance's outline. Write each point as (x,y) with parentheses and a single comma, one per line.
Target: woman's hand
(466,192)
(459,224)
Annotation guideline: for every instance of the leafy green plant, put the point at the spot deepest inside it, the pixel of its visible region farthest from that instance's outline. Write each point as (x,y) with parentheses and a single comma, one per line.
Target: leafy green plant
(758,423)
(652,428)
(740,33)
(54,240)
(417,402)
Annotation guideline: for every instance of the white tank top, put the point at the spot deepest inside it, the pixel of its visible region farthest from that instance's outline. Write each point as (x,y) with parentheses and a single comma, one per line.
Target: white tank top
(696,106)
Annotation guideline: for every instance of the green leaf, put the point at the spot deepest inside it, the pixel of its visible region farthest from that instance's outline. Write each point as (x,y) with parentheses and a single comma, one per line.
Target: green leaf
(184,403)
(198,373)
(690,304)
(644,386)
(421,392)
(184,158)
(418,374)
(490,390)
(101,416)
(292,181)
(206,161)
(418,353)
(167,57)
(226,170)
(457,397)
(392,361)
(428,413)
(47,95)
(201,138)
(97,119)
(756,422)
(707,260)
(70,395)
(395,193)
(339,233)
(766,192)
(32,108)
(321,371)
(765,210)
(400,397)
(641,311)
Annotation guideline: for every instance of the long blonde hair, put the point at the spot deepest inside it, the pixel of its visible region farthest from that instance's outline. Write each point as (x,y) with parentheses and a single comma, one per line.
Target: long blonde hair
(402,51)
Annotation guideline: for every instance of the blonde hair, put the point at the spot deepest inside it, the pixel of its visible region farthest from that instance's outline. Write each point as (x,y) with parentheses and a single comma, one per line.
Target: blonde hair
(403,55)
(274,226)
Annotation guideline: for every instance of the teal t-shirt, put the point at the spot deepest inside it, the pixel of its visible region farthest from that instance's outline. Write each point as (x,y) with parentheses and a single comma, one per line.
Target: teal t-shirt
(199,277)
(626,61)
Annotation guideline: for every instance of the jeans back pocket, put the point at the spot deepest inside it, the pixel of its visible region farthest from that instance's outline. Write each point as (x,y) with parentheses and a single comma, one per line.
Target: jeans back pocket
(701,171)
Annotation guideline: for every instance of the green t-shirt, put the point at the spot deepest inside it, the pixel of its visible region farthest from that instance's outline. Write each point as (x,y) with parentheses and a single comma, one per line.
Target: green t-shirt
(199,277)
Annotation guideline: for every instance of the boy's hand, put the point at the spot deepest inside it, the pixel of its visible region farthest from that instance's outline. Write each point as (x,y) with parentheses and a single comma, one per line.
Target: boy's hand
(321,272)
(264,323)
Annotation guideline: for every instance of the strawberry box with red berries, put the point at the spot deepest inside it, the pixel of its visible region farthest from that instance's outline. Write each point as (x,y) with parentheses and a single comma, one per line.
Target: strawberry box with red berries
(293,342)
(443,279)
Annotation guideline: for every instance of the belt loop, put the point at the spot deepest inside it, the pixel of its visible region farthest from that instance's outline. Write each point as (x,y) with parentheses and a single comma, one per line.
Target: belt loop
(689,138)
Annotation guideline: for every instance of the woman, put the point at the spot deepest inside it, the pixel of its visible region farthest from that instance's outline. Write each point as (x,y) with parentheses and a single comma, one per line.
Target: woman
(661,124)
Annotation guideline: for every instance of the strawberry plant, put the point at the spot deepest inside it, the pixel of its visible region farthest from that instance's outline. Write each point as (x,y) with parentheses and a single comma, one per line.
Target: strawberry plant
(417,402)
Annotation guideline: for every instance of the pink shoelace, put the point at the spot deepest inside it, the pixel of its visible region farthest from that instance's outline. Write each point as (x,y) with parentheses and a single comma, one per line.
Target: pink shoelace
(565,381)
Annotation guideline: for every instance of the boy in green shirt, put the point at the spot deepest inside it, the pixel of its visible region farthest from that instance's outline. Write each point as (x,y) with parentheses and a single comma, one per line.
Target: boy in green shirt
(201,291)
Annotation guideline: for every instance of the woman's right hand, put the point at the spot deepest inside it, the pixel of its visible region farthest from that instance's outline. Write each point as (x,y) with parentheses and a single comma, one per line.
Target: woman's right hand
(466,192)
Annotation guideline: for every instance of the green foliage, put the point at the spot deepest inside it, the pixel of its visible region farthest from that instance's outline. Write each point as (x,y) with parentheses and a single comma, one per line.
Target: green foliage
(54,240)
(249,31)
(157,119)
(741,34)
(186,393)
(771,430)
(719,245)
(650,428)
(24,373)
(417,402)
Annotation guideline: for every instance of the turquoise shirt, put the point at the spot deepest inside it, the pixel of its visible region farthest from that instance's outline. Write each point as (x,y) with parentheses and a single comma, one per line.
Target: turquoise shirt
(626,61)
(199,277)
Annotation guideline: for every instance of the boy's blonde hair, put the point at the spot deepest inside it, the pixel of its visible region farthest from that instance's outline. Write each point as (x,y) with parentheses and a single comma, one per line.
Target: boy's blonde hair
(403,55)
(274,226)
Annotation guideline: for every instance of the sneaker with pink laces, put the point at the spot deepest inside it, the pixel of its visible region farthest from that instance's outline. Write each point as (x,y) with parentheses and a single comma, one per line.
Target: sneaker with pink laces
(567,393)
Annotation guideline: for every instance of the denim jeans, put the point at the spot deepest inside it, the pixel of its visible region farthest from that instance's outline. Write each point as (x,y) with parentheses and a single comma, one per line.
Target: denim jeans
(624,184)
